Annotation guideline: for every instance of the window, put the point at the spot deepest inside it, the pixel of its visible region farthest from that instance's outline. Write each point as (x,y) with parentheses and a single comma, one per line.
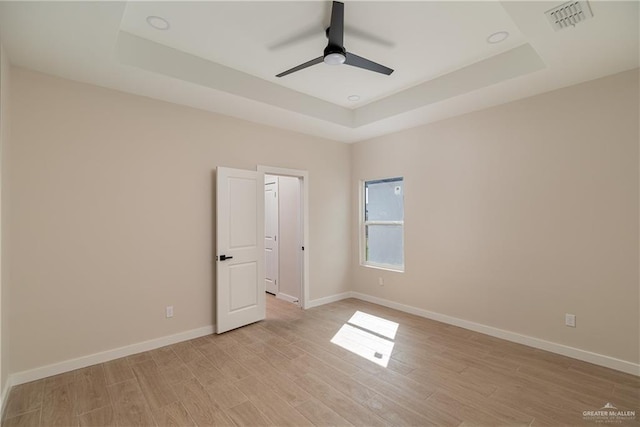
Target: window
(383,224)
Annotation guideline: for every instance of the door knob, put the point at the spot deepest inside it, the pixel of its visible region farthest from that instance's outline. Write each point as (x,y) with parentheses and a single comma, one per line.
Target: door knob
(224,257)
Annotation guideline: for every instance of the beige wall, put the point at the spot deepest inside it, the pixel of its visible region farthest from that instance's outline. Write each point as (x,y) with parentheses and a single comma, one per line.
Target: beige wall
(518,214)
(111,214)
(4,284)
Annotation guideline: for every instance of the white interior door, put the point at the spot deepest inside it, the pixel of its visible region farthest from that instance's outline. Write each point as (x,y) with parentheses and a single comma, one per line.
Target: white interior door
(271,250)
(240,293)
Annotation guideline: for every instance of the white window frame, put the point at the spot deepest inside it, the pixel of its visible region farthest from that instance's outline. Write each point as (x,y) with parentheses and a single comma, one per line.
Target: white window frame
(363,225)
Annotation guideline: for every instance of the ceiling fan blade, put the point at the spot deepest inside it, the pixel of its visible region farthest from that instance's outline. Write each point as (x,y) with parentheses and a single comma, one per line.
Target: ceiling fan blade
(366,36)
(302,66)
(315,31)
(360,62)
(336,28)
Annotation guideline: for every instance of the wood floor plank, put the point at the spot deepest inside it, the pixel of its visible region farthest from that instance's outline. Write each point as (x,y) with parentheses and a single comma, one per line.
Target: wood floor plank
(186,351)
(509,414)
(246,414)
(320,414)
(482,361)
(129,405)
(570,380)
(90,389)
(225,395)
(353,412)
(472,415)
(275,359)
(397,414)
(173,415)
(283,330)
(27,419)
(225,364)
(275,409)
(204,371)
(346,385)
(627,396)
(544,408)
(58,406)
(102,417)
(285,388)
(223,340)
(59,380)
(205,339)
(328,357)
(24,398)
(204,411)
(240,352)
(380,380)
(139,357)
(423,361)
(254,364)
(601,372)
(165,357)
(409,398)
(117,371)
(463,384)
(153,385)
(176,373)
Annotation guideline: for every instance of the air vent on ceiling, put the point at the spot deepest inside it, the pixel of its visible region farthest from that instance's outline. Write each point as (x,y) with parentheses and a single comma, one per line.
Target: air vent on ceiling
(569,14)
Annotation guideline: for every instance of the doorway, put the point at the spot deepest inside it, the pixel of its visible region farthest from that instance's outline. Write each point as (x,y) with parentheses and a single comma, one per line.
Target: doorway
(286,231)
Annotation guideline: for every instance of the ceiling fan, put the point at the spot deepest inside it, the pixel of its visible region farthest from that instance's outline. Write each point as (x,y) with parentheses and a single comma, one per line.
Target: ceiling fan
(335,53)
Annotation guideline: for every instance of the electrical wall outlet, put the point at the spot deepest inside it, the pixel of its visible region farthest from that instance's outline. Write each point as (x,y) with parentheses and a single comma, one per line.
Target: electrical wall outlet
(169,311)
(570,320)
(380,281)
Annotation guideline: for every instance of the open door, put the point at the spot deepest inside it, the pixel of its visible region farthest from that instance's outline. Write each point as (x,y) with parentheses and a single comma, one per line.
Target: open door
(240,285)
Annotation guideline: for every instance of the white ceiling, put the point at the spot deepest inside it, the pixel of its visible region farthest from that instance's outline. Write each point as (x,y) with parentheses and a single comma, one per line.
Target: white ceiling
(223,56)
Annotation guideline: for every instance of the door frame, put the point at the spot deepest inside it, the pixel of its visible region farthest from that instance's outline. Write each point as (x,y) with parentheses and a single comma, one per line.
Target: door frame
(304,195)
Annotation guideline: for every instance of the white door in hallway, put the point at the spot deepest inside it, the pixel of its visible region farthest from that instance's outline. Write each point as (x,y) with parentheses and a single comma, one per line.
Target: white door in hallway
(240,285)
(271,234)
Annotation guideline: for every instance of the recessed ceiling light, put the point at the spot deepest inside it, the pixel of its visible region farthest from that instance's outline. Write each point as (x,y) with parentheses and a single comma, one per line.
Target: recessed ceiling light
(353,98)
(498,37)
(158,23)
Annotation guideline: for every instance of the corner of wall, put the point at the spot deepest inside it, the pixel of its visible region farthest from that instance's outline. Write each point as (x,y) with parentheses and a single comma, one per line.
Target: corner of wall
(4,133)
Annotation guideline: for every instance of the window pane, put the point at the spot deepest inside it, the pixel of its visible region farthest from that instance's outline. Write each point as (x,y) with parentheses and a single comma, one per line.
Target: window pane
(383,200)
(384,244)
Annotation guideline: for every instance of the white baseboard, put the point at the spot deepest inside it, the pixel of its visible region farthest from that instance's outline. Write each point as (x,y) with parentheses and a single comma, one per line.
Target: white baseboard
(326,300)
(287,298)
(576,353)
(105,356)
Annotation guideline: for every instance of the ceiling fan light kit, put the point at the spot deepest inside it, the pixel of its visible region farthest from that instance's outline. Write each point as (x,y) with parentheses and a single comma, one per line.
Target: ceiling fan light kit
(335,53)
(335,59)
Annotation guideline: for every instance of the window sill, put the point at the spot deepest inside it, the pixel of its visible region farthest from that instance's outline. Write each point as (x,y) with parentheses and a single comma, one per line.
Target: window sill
(395,269)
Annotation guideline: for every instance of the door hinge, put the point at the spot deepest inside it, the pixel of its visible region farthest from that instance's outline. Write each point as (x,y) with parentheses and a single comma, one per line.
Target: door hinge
(303,248)
(275,238)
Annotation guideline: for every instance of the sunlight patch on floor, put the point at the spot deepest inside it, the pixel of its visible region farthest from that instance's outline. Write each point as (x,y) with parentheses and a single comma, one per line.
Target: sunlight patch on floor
(375,324)
(368,336)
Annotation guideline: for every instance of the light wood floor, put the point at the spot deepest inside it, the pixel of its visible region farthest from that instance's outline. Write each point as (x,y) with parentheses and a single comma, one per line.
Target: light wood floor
(285,371)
